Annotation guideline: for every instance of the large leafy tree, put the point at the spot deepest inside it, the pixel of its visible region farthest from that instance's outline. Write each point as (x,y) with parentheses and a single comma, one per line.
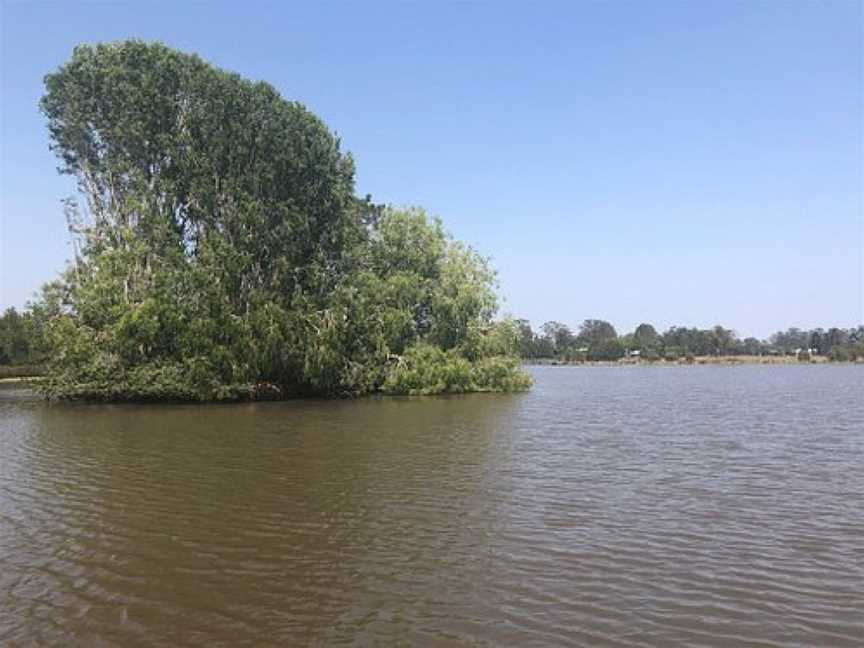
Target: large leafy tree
(220,248)
(171,152)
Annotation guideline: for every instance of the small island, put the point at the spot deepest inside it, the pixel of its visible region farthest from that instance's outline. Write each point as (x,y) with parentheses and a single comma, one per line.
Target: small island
(221,252)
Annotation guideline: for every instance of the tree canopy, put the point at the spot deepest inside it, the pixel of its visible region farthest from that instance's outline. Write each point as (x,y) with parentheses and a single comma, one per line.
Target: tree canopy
(16,335)
(221,251)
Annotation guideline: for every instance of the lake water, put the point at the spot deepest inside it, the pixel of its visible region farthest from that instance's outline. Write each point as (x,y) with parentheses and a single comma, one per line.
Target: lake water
(699,506)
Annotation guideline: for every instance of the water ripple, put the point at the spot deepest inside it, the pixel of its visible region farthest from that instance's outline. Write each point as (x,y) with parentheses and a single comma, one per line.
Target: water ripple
(699,506)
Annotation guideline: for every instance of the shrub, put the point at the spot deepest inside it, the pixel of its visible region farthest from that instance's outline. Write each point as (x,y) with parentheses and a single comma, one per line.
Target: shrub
(426,369)
(500,373)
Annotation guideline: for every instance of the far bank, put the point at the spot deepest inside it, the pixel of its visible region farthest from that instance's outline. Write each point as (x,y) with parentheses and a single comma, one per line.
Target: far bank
(690,361)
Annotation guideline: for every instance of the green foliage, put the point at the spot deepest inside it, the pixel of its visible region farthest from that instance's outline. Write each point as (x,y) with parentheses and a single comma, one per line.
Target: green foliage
(426,369)
(487,340)
(646,339)
(16,338)
(559,339)
(221,252)
(500,373)
(527,340)
(597,340)
(595,332)
(608,349)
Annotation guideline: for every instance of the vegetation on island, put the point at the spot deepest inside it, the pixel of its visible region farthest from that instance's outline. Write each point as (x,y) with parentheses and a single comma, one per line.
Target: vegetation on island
(597,340)
(221,251)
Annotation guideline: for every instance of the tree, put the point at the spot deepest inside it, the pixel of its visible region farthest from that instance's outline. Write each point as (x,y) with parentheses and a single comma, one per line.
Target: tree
(221,251)
(818,341)
(752,346)
(679,340)
(787,342)
(545,348)
(560,338)
(723,340)
(527,339)
(835,337)
(606,349)
(646,339)
(596,333)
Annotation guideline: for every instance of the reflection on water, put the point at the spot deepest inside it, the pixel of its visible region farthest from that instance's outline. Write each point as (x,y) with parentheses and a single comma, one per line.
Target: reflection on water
(621,507)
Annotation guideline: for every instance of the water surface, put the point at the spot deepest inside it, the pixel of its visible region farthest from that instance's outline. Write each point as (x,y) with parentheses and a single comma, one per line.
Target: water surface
(715,506)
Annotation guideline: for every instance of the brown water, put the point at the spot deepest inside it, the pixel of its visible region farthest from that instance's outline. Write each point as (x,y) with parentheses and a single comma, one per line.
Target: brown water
(608,507)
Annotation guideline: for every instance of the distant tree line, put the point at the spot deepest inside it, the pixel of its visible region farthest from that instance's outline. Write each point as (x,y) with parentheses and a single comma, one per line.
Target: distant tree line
(596,340)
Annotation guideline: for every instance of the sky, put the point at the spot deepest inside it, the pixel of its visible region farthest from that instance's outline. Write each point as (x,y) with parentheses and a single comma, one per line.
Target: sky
(678,163)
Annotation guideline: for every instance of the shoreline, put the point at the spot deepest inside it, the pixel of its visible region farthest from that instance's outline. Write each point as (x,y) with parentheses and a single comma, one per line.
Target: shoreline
(696,361)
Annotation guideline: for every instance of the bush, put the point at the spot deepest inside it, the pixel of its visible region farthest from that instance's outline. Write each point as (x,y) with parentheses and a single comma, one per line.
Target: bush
(105,379)
(426,369)
(500,373)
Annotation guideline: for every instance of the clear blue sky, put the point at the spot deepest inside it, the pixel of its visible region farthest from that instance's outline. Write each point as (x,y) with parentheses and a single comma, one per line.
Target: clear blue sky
(672,162)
